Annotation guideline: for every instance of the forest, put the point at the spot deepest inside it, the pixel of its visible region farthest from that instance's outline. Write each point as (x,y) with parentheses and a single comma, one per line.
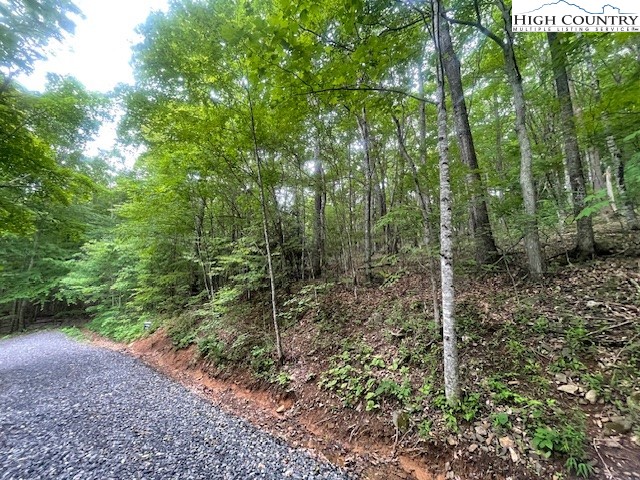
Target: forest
(437,213)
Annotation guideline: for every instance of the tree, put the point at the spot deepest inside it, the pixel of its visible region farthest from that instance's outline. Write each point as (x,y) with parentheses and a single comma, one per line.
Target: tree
(531,237)
(40,149)
(485,247)
(368,190)
(319,204)
(265,230)
(585,246)
(450,346)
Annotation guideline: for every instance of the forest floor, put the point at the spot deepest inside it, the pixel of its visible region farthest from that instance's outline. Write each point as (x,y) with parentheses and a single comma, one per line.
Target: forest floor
(550,372)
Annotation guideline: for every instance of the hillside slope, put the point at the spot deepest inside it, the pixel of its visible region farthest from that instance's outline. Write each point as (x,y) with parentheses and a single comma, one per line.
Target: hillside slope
(550,372)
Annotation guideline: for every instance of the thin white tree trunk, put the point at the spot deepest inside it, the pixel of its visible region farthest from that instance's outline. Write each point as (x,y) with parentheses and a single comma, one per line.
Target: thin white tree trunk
(610,193)
(451,377)
(265,231)
(618,163)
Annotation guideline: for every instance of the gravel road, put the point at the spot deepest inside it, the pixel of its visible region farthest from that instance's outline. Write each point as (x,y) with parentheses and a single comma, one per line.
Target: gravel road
(73,411)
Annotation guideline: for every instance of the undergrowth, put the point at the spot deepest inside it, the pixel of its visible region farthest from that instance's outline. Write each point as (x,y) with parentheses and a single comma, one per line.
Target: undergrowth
(118,326)
(386,357)
(74,333)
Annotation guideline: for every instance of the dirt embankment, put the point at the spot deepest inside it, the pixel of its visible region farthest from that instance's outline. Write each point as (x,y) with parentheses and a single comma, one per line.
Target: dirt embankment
(278,413)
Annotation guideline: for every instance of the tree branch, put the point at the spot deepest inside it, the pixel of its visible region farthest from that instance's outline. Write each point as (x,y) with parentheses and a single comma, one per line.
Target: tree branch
(326,41)
(479,26)
(369,89)
(401,27)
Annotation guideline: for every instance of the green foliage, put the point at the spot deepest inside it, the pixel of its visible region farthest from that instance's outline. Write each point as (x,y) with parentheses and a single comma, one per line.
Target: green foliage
(545,440)
(424,429)
(117,326)
(567,440)
(182,330)
(552,430)
(283,379)
(502,394)
(541,325)
(581,469)
(501,420)
(466,409)
(233,100)
(594,381)
(41,163)
(594,203)
(577,336)
(262,362)
(74,333)
(307,299)
(406,218)
(567,363)
(356,375)
(211,348)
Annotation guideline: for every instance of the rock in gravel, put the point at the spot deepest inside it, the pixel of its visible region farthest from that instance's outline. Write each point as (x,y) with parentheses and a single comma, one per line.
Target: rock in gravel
(617,426)
(507,442)
(570,389)
(591,396)
(481,430)
(561,378)
(74,411)
(515,458)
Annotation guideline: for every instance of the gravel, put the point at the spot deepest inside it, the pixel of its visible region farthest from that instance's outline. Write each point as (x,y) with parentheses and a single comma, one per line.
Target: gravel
(73,411)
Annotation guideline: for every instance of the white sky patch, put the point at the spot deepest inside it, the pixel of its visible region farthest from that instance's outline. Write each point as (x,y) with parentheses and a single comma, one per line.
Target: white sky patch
(98,54)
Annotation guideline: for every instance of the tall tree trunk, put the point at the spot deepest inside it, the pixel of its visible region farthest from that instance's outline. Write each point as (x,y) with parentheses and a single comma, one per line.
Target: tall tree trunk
(485,247)
(265,231)
(368,192)
(22,304)
(201,249)
(585,245)
(627,206)
(451,376)
(319,202)
(425,195)
(379,174)
(351,201)
(533,249)
(302,221)
(13,327)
